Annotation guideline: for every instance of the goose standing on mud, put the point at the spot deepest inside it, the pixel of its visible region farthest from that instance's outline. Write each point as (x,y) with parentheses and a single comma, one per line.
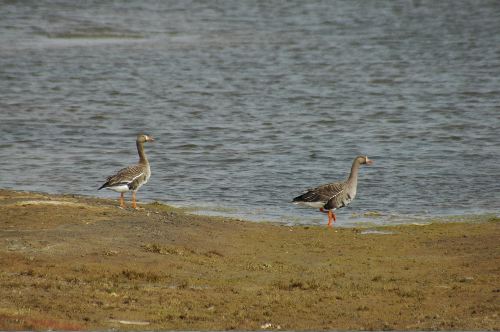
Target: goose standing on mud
(332,196)
(133,177)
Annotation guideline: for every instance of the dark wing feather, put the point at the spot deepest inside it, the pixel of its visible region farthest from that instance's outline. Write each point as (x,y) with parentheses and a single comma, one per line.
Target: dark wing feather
(124,176)
(322,193)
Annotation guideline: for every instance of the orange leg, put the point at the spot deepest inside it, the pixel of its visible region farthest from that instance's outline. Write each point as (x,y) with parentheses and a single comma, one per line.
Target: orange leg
(134,205)
(122,203)
(331,217)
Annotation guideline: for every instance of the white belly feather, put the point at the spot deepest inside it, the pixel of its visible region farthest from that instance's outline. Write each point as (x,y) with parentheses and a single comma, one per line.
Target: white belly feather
(119,188)
(316,205)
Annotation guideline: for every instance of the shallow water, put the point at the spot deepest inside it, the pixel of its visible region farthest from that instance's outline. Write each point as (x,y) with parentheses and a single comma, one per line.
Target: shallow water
(253,102)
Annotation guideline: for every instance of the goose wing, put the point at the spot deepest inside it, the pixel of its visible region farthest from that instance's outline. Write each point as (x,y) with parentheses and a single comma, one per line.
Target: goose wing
(322,193)
(124,176)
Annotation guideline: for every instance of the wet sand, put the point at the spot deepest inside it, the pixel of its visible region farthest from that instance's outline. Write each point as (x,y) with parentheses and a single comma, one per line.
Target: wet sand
(82,263)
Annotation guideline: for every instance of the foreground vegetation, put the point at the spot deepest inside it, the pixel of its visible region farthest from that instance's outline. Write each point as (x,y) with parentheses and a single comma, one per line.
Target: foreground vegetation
(75,263)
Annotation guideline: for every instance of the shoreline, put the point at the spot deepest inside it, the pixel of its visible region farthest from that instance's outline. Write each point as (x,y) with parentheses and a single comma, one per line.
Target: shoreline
(368,219)
(82,263)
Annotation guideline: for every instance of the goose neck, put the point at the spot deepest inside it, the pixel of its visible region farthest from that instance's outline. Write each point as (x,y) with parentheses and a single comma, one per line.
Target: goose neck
(353,176)
(142,155)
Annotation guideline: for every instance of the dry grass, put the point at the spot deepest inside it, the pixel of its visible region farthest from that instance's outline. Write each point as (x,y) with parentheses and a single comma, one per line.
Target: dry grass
(66,267)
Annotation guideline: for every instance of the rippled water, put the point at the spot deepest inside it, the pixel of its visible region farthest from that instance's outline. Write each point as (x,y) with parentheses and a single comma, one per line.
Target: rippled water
(252,102)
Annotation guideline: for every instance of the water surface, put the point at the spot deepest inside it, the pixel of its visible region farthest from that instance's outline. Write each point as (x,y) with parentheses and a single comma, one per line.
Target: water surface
(252,102)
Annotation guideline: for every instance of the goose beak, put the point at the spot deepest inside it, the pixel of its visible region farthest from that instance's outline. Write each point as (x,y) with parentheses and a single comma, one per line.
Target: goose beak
(150,139)
(368,161)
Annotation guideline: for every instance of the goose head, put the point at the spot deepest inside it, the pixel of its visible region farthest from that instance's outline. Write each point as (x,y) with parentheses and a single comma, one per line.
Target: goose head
(363,160)
(142,138)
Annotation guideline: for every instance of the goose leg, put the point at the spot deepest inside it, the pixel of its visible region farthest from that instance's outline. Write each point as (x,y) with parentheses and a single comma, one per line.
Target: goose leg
(331,216)
(122,203)
(134,205)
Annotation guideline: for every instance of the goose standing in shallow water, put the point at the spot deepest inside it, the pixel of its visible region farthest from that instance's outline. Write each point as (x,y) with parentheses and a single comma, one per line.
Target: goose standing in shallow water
(133,177)
(332,196)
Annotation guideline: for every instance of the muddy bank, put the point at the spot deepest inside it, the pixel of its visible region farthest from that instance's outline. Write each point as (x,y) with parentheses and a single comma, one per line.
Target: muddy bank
(82,263)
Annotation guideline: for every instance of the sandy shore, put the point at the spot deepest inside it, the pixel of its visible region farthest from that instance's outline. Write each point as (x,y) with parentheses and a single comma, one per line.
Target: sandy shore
(82,263)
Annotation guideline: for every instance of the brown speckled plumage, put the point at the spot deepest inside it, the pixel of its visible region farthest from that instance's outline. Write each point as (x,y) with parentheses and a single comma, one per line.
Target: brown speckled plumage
(332,196)
(133,177)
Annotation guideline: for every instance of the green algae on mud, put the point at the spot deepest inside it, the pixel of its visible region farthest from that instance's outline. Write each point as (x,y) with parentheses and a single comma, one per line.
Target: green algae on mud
(91,265)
